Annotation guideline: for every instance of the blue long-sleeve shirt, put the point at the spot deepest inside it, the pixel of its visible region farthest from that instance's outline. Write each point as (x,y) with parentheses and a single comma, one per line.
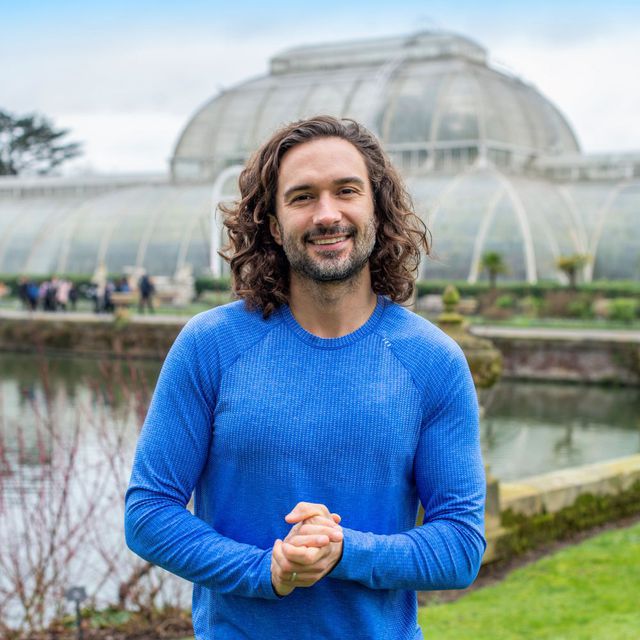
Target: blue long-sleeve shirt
(257,415)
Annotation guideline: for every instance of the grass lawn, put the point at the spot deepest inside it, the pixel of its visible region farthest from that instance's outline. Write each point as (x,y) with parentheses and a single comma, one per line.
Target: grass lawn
(590,591)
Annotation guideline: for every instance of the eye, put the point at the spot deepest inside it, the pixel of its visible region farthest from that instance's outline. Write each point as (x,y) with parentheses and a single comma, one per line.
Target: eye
(301,197)
(348,191)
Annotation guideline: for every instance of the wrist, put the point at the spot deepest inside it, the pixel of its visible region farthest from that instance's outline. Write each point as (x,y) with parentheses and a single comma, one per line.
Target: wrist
(286,591)
(338,559)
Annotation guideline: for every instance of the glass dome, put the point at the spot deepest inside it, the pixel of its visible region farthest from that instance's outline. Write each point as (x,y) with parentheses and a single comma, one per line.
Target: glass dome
(428,91)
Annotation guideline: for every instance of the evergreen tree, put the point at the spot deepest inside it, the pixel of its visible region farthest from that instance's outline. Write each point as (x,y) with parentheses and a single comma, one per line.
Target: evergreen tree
(31,145)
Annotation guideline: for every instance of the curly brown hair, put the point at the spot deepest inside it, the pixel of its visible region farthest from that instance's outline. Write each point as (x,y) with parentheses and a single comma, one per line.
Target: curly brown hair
(259,267)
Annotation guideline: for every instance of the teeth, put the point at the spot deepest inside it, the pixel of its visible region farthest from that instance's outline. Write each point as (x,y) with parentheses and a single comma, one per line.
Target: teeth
(329,240)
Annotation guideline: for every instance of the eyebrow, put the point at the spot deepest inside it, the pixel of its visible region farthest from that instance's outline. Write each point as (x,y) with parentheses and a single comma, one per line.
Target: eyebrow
(337,183)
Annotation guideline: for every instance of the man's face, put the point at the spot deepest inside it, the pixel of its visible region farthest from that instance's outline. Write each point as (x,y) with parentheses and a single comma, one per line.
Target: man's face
(324,206)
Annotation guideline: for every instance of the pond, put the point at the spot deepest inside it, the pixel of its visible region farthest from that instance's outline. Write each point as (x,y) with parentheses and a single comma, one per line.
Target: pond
(68,430)
(530,428)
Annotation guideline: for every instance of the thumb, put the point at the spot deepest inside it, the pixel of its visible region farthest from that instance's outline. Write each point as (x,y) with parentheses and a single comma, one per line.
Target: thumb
(304,510)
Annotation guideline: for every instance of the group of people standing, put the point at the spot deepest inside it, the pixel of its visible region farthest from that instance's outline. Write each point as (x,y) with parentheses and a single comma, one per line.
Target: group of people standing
(103,298)
(56,294)
(59,294)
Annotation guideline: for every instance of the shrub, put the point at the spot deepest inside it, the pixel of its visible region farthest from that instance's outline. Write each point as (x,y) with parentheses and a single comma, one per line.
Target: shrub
(530,306)
(505,301)
(206,283)
(580,308)
(623,309)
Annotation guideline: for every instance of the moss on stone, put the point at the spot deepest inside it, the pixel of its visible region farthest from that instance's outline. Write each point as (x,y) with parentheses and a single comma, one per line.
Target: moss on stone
(588,511)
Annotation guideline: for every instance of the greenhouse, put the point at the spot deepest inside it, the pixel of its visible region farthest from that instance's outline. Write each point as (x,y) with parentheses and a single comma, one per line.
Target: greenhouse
(492,165)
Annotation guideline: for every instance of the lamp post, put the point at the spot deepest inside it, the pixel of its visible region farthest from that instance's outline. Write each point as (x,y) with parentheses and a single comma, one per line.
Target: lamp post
(77,595)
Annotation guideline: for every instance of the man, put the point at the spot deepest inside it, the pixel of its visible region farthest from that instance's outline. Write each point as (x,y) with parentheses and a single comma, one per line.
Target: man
(146,289)
(315,395)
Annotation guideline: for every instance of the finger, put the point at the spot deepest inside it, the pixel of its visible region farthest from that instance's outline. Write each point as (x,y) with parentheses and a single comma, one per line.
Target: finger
(295,529)
(286,565)
(305,510)
(277,577)
(327,522)
(320,520)
(313,540)
(336,518)
(334,533)
(302,555)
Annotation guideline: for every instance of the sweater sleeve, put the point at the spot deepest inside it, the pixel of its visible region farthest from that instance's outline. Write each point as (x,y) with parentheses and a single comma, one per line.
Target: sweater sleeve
(171,453)
(445,552)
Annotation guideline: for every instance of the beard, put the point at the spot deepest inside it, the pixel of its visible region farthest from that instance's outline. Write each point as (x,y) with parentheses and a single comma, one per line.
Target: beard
(330,266)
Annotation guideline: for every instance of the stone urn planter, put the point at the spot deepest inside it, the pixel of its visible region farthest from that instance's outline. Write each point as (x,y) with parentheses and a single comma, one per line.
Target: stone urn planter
(485,361)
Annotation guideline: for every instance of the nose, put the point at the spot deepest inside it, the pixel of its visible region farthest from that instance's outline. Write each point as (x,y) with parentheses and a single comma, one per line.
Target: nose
(327,211)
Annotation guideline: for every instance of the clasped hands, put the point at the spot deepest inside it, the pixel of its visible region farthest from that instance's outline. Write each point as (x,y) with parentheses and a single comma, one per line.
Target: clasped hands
(311,549)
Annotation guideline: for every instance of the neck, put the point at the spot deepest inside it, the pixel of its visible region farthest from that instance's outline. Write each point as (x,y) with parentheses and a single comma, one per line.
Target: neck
(332,309)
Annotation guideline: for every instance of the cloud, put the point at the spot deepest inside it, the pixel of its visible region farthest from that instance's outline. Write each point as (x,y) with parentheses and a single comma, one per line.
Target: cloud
(128,86)
(123,142)
(591,83)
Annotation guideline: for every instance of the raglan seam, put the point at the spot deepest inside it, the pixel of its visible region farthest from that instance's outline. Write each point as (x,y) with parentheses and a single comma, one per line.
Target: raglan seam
(422,392)
(226,368)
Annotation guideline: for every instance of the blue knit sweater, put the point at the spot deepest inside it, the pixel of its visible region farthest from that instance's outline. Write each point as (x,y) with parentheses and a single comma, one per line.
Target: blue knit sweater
(256,415)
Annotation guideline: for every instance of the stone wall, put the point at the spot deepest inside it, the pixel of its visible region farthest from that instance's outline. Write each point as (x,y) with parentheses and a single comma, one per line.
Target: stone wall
(572,356)
(600,357)
(551,492)
(88,335)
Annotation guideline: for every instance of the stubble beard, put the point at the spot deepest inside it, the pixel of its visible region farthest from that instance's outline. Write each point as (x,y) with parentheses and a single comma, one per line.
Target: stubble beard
(331,266)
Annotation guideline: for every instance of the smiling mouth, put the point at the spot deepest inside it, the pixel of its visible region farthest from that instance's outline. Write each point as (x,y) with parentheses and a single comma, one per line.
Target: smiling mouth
(328,241)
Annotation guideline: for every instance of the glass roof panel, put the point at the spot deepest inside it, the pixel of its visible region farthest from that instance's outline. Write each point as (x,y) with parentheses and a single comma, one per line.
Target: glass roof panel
(458,110)
(276,110)
(618,249)
(185,213)
(411,107)
(24,228)
(231,134)
(45,248)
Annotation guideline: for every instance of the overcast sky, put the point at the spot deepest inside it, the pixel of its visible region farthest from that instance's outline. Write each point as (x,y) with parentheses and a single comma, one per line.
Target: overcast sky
(125,77)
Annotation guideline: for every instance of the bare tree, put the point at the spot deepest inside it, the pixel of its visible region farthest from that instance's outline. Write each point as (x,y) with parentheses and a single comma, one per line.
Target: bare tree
(63,473)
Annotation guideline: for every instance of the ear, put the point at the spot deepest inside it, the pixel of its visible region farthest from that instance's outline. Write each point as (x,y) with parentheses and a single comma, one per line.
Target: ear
(274,228)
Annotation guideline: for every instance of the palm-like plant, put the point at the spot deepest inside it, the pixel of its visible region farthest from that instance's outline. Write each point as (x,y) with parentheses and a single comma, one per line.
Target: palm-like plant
(570,265)
(494,264)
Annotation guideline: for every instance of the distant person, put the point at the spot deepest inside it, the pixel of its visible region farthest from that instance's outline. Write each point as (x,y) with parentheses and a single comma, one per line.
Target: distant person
(62,294)
(146,290)
(122,286)
(95,294)
(23,292)
(33,295)
(73,296)
(107,303)
(48,292)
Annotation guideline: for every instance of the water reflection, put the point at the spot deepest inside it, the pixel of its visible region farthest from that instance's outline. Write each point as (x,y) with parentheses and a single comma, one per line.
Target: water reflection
(532,428)
(67,434)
